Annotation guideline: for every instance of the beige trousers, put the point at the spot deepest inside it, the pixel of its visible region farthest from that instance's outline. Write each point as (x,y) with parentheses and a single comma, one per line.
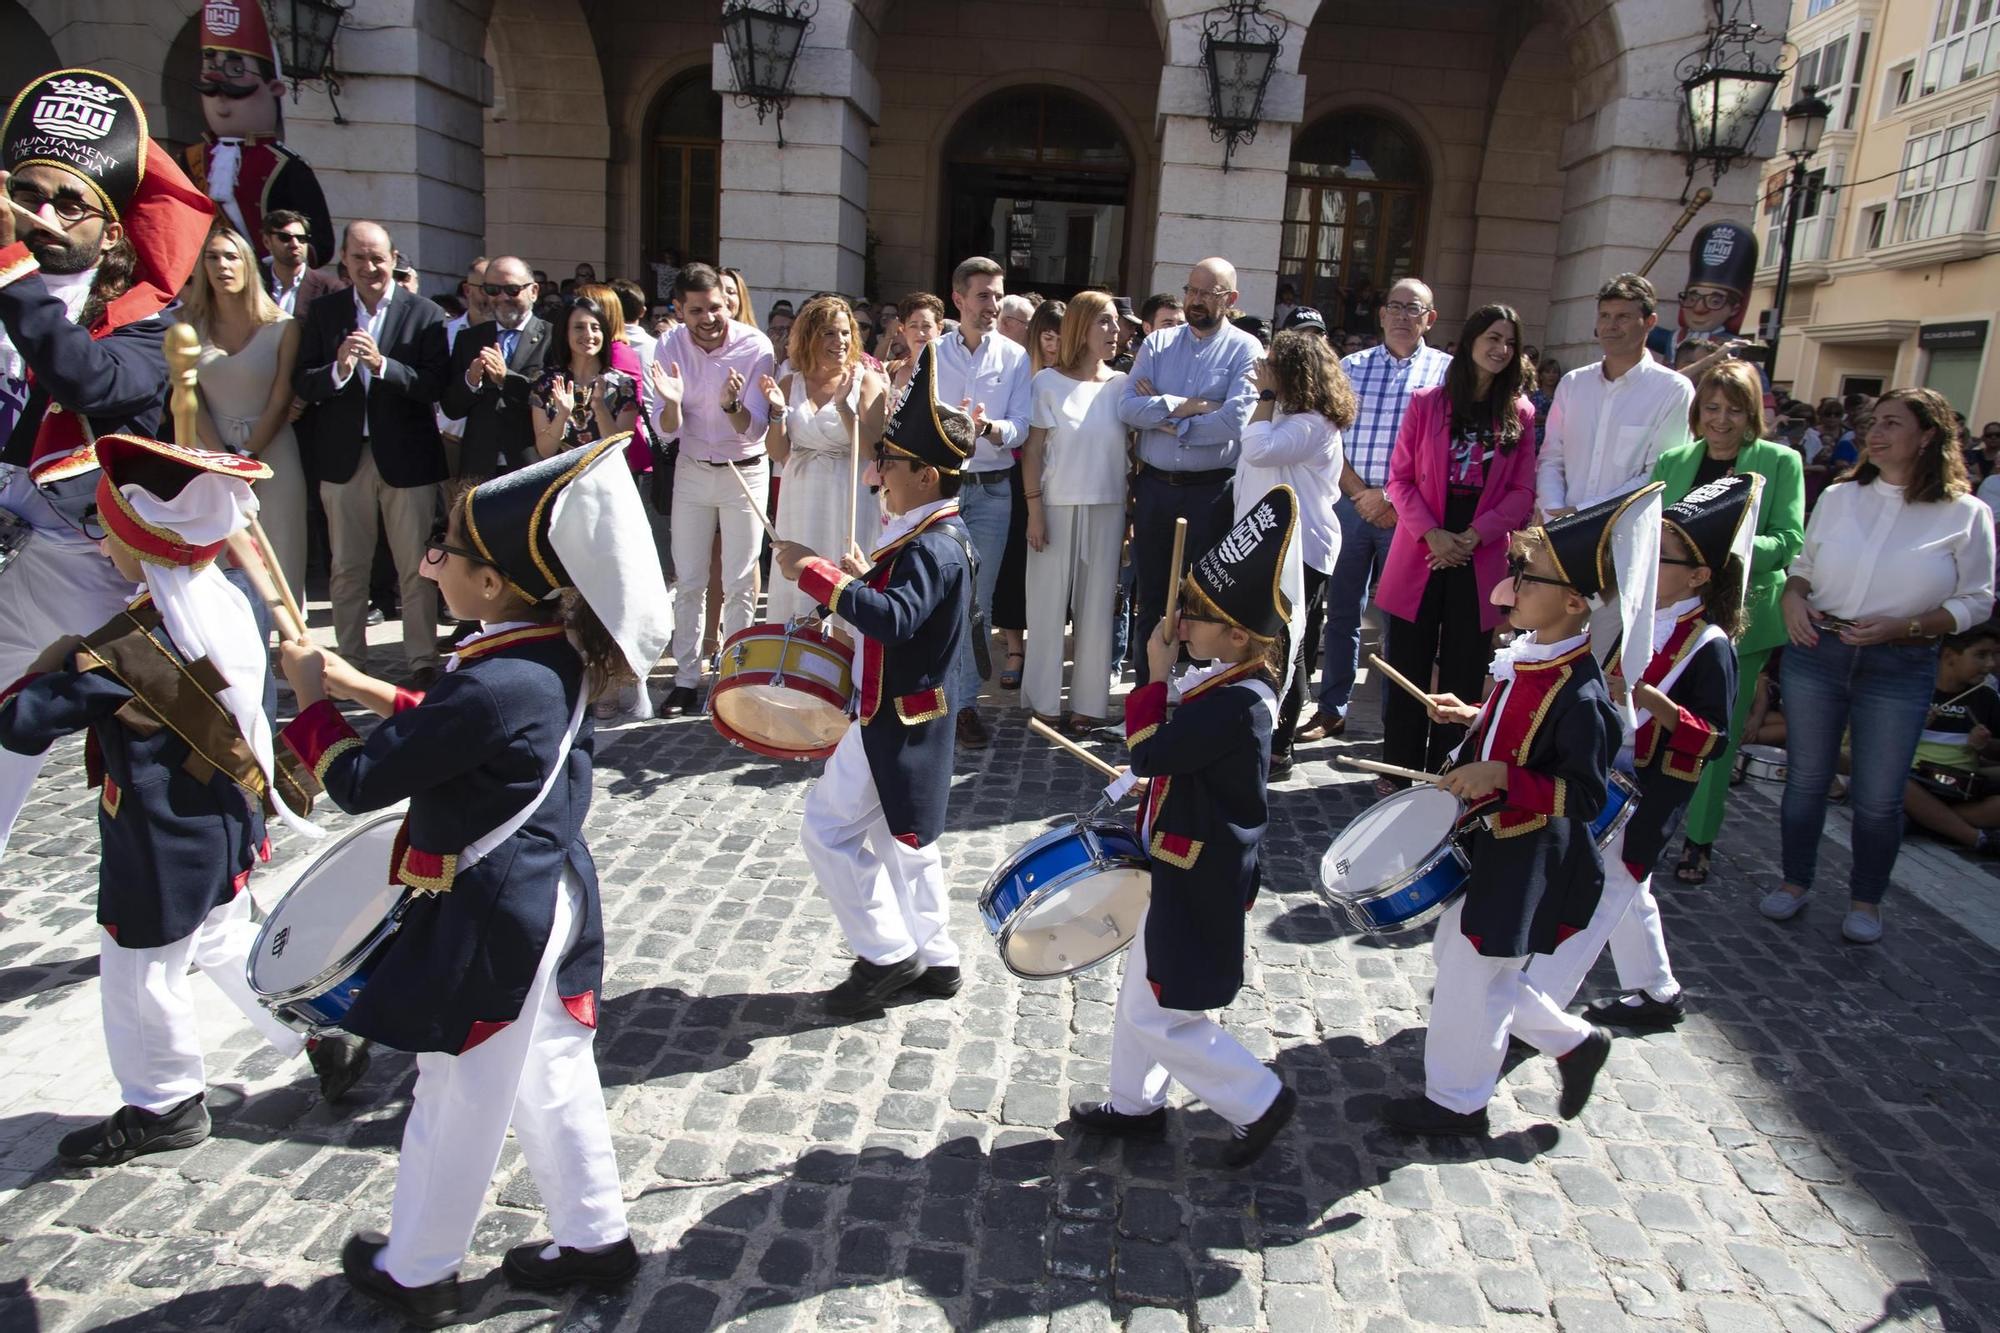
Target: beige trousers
(353,507)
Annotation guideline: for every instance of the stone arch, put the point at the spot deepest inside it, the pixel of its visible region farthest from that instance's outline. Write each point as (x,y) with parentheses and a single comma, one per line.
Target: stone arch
(26,53)
(135,43)
(669,80)
(1412,120)
(547,137)
(1521,180)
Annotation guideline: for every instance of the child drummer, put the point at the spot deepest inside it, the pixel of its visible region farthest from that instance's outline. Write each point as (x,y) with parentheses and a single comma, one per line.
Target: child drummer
(1533,772)
(1203,820)
(1684,701)
(493,977)
(171,692)
(873,819)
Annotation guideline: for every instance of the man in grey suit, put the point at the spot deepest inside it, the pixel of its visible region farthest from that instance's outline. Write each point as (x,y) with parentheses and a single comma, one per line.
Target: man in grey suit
(493,366)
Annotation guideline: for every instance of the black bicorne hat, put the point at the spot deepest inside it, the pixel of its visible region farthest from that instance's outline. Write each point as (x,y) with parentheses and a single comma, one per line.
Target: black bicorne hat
(1583,543)
(1719,520)
(1723,254)
(84,122)
(508,519)
(1241,575)
(922,428)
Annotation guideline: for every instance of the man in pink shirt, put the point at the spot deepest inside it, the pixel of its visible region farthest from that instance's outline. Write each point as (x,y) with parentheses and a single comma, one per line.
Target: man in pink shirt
(700,376)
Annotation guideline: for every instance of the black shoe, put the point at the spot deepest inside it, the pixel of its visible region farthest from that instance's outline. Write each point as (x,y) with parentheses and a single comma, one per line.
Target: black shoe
(340,1060)
(869,984)
(525,1266)
(431,1306)
(1636,1009)
(937,983)
(1281,766)
(375,616)
(972,732)
(130,1132)
(1579,1071)
(1421,1115)
(1099,1118)
(1253,1138)
(680,699)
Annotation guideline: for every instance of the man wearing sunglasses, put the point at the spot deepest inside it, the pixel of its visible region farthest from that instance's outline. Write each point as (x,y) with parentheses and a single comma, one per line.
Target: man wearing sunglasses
(242,161)
(492,367)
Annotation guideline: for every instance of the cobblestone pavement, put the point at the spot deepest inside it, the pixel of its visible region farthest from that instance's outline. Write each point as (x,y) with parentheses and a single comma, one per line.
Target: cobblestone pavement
(1812,1150)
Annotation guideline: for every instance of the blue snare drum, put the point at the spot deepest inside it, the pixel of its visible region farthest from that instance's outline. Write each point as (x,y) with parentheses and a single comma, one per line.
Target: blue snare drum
(1621,799)
(318,946)
(1068,900)
(1396,867)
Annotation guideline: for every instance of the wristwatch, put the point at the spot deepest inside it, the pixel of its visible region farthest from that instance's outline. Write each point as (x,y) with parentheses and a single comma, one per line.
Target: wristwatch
(1268,396)
(1916,627)
(732,407)
(985,429)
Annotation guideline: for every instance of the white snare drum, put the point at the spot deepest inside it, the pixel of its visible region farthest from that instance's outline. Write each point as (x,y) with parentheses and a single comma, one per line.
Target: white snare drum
(320,943)
(1397,866)
(783,691)
(1762,763)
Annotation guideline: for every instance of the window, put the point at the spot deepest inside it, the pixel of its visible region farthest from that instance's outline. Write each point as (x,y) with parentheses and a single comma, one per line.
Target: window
(1965,43)
(686,195)
(1819,6)
(1899,87)
(1851,95)
(1873,222)
(1354,213)
(1939,192)
(1828,71)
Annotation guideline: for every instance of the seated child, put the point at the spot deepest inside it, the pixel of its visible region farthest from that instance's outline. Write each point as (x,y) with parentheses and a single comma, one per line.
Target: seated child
(1946,793)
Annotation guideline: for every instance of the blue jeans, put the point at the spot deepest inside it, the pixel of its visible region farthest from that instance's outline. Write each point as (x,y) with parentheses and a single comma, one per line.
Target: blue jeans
(1363,548)
(1884,694)
(988,511)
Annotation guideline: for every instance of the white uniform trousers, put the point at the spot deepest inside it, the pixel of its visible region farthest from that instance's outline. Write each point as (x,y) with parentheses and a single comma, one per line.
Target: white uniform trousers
(537,1073)
(1151,1046)
(1560,975)
(1477,1002)
(1074,580)
(1639,943)
(150,1027)
(58,584)
(888,896)
(707,499)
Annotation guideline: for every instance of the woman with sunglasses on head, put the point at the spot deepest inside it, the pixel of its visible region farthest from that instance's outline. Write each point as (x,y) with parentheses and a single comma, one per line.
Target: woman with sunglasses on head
(1727,419)
(1898,554)
(1462,480)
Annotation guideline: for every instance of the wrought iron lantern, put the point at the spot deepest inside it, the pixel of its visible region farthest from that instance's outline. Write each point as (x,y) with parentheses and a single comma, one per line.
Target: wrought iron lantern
(763,41)
(1726,87)
(1239,52)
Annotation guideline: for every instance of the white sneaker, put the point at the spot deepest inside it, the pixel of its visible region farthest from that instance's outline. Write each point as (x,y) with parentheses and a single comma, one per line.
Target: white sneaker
(1782,906)
(1861,928)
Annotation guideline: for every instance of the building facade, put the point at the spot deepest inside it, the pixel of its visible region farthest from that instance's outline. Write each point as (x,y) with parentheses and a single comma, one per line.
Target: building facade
(1896,255)
(1514,150)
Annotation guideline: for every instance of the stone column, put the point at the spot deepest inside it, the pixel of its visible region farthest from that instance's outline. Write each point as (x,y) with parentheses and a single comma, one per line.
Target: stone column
(796,217)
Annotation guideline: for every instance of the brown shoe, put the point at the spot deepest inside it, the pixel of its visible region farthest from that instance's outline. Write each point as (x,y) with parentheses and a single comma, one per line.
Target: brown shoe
(972,732)
(1324,726)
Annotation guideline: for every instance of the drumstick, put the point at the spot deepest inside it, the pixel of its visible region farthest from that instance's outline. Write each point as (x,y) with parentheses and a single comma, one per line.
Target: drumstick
(1050,733)
(277,578)
(1391,770)
(853,481)
(22,215)
(755,508)
(1172,619)
(1408,686)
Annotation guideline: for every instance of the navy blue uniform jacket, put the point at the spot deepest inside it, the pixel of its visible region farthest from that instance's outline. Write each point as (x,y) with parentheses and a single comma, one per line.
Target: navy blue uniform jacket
(910,610)
(117,379)
(1667,765)
(175,847)
(1203,821)
(467,756)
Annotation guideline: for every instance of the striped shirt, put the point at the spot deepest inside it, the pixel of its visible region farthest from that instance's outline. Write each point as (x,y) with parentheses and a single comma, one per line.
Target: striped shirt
(1382,388)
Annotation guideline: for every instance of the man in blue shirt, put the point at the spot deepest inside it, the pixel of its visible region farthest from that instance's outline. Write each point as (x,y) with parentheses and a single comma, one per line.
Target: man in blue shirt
(1384,377)
(987,375)
(1188,397)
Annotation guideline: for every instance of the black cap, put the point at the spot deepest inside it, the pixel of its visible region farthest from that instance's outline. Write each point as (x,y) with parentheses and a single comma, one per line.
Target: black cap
(1240,577)
(507,519)
(922,428)
(1581,543)
(1123,305)
(84,122)
(1723,254)
(1255,326)
(1712,519)
(1304,317)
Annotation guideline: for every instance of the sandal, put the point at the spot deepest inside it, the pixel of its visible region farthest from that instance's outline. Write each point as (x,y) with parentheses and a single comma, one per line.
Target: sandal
(1385,787)
(1693,868)
(1078,726)
(1010,678)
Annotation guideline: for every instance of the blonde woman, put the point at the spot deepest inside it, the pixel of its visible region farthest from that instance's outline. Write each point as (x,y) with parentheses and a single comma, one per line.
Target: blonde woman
(824,409)
(736,294)
(1073,469)
(248,346)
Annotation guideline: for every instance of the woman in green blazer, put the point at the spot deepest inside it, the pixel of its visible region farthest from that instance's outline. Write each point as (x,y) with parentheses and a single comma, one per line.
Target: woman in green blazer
(1728,424)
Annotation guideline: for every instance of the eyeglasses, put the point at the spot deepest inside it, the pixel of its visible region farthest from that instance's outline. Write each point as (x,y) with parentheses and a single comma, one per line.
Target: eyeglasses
(69,208)
(504,288)
(1707,300)
(1413,309)
(439,548)
(1517,569)
(402,274)
(1685,564)
(1191,293)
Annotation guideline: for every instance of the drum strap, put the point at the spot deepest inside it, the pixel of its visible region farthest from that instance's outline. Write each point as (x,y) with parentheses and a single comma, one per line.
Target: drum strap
(479,850)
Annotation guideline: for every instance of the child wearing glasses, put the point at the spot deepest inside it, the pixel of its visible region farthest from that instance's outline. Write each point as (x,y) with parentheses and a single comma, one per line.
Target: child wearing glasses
(1533,772)
(873,819)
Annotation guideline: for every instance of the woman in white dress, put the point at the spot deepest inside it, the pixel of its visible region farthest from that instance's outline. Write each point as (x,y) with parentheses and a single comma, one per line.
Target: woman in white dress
(248,346)
(826,412)
(1073,467)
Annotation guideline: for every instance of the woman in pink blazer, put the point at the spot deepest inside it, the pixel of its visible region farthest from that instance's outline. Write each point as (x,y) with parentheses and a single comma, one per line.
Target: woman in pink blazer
(1462,479)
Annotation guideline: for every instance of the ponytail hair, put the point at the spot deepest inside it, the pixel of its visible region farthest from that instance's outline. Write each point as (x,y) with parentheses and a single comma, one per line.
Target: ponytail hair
(604,664)
(1722,606)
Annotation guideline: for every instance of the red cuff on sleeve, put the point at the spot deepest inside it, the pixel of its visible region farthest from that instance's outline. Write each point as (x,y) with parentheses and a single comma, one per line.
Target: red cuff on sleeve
(822,580)
(318,736)
(407,699)
(1145,710)
(1537,793)
(1692,736)
(7,695)
(16,262)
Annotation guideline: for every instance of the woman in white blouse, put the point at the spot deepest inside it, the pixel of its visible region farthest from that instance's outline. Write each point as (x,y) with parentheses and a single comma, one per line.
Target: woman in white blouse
(1073,470)
(1896,555)
(1304,402)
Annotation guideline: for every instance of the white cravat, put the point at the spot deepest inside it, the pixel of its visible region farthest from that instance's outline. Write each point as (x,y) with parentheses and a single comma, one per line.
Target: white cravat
(225,163)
